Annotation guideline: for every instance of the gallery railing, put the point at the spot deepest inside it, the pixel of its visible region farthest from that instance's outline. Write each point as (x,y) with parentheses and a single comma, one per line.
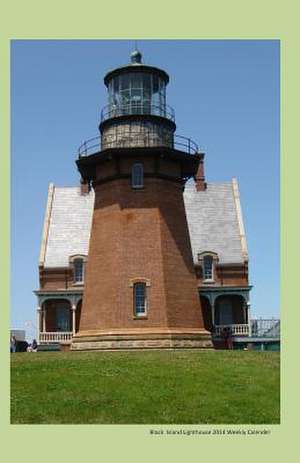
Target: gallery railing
(137,139)
(144,108)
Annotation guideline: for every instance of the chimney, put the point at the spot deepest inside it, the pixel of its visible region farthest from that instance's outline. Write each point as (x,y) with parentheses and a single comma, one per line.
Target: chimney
(199,177)
(84,187)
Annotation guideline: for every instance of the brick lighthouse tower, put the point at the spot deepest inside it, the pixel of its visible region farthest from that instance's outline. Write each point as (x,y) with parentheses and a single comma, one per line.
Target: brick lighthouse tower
(140,285)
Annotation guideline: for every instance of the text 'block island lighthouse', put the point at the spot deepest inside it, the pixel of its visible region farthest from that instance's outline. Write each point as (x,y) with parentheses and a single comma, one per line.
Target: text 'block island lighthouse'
(132,258)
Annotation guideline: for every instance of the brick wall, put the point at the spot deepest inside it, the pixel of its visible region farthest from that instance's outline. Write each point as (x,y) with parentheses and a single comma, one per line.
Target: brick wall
(56,279)
(226,275)
(140,234)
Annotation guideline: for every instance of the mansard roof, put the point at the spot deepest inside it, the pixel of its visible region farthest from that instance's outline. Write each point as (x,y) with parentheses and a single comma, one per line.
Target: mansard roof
(67,226)
(214,220)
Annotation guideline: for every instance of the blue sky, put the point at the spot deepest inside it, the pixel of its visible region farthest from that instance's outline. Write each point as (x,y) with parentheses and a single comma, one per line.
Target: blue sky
(226,98)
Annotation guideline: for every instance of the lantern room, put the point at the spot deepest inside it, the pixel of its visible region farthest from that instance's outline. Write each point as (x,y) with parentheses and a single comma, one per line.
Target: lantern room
(137,89)
(137,114)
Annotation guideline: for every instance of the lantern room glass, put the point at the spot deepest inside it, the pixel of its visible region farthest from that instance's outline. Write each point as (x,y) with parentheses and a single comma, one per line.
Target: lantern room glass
(137,93)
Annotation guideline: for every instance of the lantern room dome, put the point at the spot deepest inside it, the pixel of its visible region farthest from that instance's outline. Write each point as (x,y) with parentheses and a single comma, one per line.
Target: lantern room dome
(136,57)
(135,66)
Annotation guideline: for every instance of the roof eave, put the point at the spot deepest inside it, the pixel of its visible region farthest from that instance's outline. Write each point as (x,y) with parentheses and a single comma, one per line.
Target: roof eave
(46,225)
(237,202)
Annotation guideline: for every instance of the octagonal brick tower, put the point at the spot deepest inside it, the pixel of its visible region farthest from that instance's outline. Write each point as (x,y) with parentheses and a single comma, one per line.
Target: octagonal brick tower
(140,285)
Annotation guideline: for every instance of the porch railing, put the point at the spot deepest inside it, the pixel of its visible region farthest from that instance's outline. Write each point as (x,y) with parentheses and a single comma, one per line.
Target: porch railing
(266,328)
(63,337)
(236,330)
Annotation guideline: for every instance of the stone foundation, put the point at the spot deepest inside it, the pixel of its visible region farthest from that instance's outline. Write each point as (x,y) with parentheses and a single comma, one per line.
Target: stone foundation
(199,339)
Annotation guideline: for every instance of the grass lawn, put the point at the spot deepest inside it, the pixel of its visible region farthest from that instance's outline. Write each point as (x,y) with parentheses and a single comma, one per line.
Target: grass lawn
(149,387)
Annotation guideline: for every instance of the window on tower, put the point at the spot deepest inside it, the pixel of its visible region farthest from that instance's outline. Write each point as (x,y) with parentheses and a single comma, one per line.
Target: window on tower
(139,299)
(137,176)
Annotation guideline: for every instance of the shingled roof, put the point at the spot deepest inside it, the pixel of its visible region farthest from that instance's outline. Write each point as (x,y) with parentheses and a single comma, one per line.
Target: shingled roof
(67,225)
(214,219)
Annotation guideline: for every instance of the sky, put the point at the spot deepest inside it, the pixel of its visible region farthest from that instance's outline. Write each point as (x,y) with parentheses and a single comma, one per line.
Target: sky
(226,96)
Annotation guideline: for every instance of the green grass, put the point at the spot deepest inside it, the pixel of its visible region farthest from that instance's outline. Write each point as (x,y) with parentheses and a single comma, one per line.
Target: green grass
(149,387)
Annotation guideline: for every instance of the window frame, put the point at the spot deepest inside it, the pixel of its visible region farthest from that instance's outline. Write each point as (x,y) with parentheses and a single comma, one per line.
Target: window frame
(72,262)
(137,185)
(144,313)
(214,259)
(209,271)
(77,261)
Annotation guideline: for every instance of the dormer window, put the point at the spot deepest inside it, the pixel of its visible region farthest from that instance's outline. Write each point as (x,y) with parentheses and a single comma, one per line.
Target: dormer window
(208,267)
(77,264)
(137,175)
(78,271)
(207,261)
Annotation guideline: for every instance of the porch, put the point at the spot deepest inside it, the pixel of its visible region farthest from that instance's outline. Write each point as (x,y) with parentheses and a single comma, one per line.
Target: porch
(58,316)
(226,309)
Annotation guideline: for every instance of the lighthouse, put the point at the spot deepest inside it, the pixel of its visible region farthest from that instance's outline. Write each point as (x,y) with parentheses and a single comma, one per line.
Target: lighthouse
(140,284)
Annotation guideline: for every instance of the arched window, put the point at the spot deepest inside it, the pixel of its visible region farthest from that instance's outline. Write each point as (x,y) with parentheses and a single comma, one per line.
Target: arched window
(137,176)
(78,270)
(208,273)
(139,299)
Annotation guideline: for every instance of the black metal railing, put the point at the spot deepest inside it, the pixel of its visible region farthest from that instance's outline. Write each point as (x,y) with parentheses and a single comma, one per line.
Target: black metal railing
(144,108)
(137,139)
(266,328)
(90,146)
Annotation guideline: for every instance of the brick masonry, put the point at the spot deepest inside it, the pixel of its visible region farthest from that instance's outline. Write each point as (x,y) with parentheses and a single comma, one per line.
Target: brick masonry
(140,235)
(137,235)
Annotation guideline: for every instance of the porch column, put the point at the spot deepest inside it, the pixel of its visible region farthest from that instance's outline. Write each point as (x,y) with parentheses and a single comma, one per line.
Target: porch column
(212,299)
(213,314)
(249,318)
(44,319)
(73,318)
(38,324)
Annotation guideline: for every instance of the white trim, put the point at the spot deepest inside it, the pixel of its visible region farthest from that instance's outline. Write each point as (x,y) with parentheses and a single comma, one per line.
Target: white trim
(77,256)
(46,224)
(39,314)
(63,337)
(237,202)
(241,329)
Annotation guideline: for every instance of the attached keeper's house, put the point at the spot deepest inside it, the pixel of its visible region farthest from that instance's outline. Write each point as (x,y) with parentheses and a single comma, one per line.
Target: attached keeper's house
(219,252)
